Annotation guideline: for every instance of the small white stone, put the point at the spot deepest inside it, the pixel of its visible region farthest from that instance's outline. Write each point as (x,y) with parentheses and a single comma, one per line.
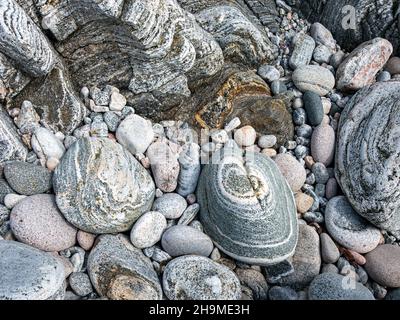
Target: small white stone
(219,136)
(245,136)
(267,141)
(95,108)
(46,145)
(52,163)
(233,124)
(148,229)
(117,102)
(11,199)
(326,104)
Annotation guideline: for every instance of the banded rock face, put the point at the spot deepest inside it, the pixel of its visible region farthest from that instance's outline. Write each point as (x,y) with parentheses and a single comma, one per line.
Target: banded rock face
(22,40)
(11,146)
(373,18)
(119,271)
(100,187)
(247,207)
(368,154)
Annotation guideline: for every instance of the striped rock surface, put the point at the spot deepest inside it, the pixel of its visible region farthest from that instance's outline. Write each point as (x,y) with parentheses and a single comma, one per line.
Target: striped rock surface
(100,187)
(11,146)
(23,41)
(247,207)
(368,154)
(119,271)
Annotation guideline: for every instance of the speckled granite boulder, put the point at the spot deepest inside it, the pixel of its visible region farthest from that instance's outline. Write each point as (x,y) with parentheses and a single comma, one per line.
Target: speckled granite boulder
(199,278)
(27,179)
(27,273)
(119,271)
(100,187)
(247,208)
(368,154)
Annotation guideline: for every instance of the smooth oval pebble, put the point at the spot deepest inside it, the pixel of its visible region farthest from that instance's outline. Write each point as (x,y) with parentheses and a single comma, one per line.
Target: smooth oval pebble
(393,66)
(245,136)
(27,273)
(329,251)
(171,205)
(101,188)
(292,170)
(348,228)
(148,229)
(331,286)
(46,144)
(135,133)
(314,108)
(26,178)
(182,240)
(85,239)
(323,144)
(314,78)
(383,265)
(37,222)
(199,278)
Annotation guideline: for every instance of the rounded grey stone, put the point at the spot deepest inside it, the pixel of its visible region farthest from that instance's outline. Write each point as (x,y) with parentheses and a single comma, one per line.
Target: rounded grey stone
(320,172)
(247,207)
(314,78)
(330,286)
(27,179)
(171,205)
(80,283)
(182,240)
(348,228)
(101,188)
(329,251)
(282,293)
(27,273)
(199,278)
(148,229)
(255,281)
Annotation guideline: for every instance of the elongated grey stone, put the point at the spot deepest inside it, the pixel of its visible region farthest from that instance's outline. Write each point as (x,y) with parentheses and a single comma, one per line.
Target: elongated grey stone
(368,154)
(100,187)
(23,41)
(190,168)
(247,207)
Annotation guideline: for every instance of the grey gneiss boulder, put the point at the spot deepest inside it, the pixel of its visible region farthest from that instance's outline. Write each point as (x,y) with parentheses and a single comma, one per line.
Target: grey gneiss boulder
(182,240)
(27,273)
(348,228)
(331,286)
(199,278)
(247,207)
(37,221)
(368,154)
(119,271)
(27,179)
(100,187)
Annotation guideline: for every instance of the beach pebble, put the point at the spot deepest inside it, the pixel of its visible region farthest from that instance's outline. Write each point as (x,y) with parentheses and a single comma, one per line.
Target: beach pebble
(11,200)
(135,133)
(171,205)
(306,259)
(199,278)
(267,141)
(182,240)
(393,66)
(329,251)
(189,214)
(363,63)
(304,46)
(322,54)
(46,145)
(313,107)
(282,293)
(148,229)
(27,273)
(27,179)
(348,228)
(320,172)
(269,73)
(245,136)
(255,281)
(331,189)
(37,221)
(314,78)
(117,101)
(323,144)
(383,265)
(330,286)
(303,202)
(292,170)
(85,239)
(80,283)
(322,35)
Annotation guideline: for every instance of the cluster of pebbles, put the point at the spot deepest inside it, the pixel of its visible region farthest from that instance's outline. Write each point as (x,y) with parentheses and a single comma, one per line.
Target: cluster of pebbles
(126,208)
